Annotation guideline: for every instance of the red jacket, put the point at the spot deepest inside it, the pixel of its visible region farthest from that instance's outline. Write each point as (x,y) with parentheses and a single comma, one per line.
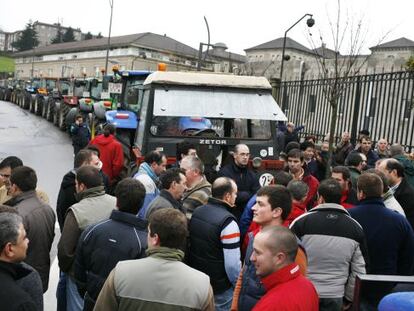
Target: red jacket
(288,290)
(347,201)
(298,209)
(313,185)
(112,155)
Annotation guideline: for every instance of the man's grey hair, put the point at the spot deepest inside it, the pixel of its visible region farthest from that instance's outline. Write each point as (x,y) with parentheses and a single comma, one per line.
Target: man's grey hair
(298,189)
(238,146)
(195,163)
(9,228)
(396,149)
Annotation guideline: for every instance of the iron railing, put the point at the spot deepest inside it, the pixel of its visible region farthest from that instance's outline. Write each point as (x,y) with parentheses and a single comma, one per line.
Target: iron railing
(381,103)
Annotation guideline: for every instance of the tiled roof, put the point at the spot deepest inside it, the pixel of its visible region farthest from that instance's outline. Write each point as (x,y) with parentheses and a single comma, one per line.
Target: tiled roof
(398,43)
(278,44)
(147,40)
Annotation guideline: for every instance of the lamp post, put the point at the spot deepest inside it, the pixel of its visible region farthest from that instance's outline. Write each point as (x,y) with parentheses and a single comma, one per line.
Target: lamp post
(111,4)
(200,52)
(310,22)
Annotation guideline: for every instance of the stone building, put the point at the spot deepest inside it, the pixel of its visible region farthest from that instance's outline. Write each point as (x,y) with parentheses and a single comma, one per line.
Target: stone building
(226,62)
(265,59)
(45,34)
(141,51)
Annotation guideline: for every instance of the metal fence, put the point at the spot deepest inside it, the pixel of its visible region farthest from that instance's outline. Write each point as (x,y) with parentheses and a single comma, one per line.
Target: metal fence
(381,103)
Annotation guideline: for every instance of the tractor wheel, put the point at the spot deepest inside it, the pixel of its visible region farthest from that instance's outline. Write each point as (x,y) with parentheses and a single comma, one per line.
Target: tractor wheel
(63,111)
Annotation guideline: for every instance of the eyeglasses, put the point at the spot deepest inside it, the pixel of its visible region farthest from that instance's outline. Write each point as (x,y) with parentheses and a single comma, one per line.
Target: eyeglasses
(244,154)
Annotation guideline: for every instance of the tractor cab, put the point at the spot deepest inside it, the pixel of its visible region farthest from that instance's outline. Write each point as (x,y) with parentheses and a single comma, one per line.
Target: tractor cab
(213,111)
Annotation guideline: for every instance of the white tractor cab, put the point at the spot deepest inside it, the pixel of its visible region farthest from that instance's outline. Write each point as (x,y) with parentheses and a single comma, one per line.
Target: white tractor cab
(215,112)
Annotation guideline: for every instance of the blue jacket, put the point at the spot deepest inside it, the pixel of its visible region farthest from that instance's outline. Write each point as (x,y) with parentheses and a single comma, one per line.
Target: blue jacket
(390,241)
(246,217)
(101,246)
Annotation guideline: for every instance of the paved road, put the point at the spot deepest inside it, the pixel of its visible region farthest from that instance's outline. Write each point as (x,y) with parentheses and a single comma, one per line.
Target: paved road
(45,148)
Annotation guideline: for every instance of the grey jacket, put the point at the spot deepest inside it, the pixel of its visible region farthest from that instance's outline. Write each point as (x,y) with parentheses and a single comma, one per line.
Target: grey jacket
(163,200)
(158,282)
(39,222)
(336,249)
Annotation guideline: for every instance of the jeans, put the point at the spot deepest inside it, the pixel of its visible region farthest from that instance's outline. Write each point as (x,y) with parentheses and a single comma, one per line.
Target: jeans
(223,300)
(330,304)
(74,302)
(61,292)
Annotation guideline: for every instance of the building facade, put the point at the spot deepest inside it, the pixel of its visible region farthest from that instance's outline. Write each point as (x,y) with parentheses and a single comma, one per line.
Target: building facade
(265,59)
(143,51)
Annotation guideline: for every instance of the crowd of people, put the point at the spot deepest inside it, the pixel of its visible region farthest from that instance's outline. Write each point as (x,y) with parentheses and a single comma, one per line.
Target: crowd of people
(169,239)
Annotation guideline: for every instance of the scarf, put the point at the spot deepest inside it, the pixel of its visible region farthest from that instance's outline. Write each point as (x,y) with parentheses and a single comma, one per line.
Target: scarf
(166,253)
(145,168)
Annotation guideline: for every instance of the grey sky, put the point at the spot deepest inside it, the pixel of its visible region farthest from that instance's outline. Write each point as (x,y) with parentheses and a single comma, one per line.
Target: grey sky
(239,24)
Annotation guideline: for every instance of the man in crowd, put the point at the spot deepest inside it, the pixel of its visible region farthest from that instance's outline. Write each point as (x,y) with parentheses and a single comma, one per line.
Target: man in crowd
(246,225)
(387,195)
(308,149)
(342,175)
(112,155)
(397,152)
(299,172)
(365,147)
(14,244)
(274,252)
(93,206)
(80,133)
(6,166)
(273,205)
(390,238)
(335,245)
(343,148)
(403,192)
(185,149)
(246,180)
(154,164)
(173,184)
(355,164)
(161,280)
(127,236)
(67,192)
(298,191)
(38,219)
(198,188)
(214,231)
(382,149)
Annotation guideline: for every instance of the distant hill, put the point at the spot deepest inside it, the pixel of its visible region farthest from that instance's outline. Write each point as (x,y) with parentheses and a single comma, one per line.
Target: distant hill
(6,64)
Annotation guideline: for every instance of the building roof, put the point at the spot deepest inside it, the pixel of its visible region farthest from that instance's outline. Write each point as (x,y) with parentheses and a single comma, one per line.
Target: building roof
(146,40)
(55,25)
(398,43)
(323,51)
(223,55)
(278,44)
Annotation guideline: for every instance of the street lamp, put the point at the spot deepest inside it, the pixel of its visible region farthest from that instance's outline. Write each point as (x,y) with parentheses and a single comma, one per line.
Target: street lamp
(310,22)
(200,52)
(111,4)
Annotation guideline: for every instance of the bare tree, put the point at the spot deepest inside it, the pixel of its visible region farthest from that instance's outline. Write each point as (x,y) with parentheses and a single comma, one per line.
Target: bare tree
(345,31)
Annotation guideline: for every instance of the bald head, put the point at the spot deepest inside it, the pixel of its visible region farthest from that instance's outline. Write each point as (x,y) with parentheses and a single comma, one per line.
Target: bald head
(224,189)
(274,247)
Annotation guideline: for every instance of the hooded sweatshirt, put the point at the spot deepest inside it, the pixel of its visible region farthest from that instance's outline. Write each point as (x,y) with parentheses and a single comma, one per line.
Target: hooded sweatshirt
(112,155)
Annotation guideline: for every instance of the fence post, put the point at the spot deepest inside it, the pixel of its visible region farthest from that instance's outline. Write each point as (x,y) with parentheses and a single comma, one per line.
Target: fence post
(354,128)
(276,84)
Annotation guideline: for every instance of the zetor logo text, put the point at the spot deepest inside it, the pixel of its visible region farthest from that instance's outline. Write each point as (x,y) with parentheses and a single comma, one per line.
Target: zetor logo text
(213,142)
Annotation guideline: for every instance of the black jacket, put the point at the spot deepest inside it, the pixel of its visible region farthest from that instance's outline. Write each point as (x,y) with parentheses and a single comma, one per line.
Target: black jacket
(246,181)
(405,196)
(206,249)
(101,246)
(12,296)
(66,197)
